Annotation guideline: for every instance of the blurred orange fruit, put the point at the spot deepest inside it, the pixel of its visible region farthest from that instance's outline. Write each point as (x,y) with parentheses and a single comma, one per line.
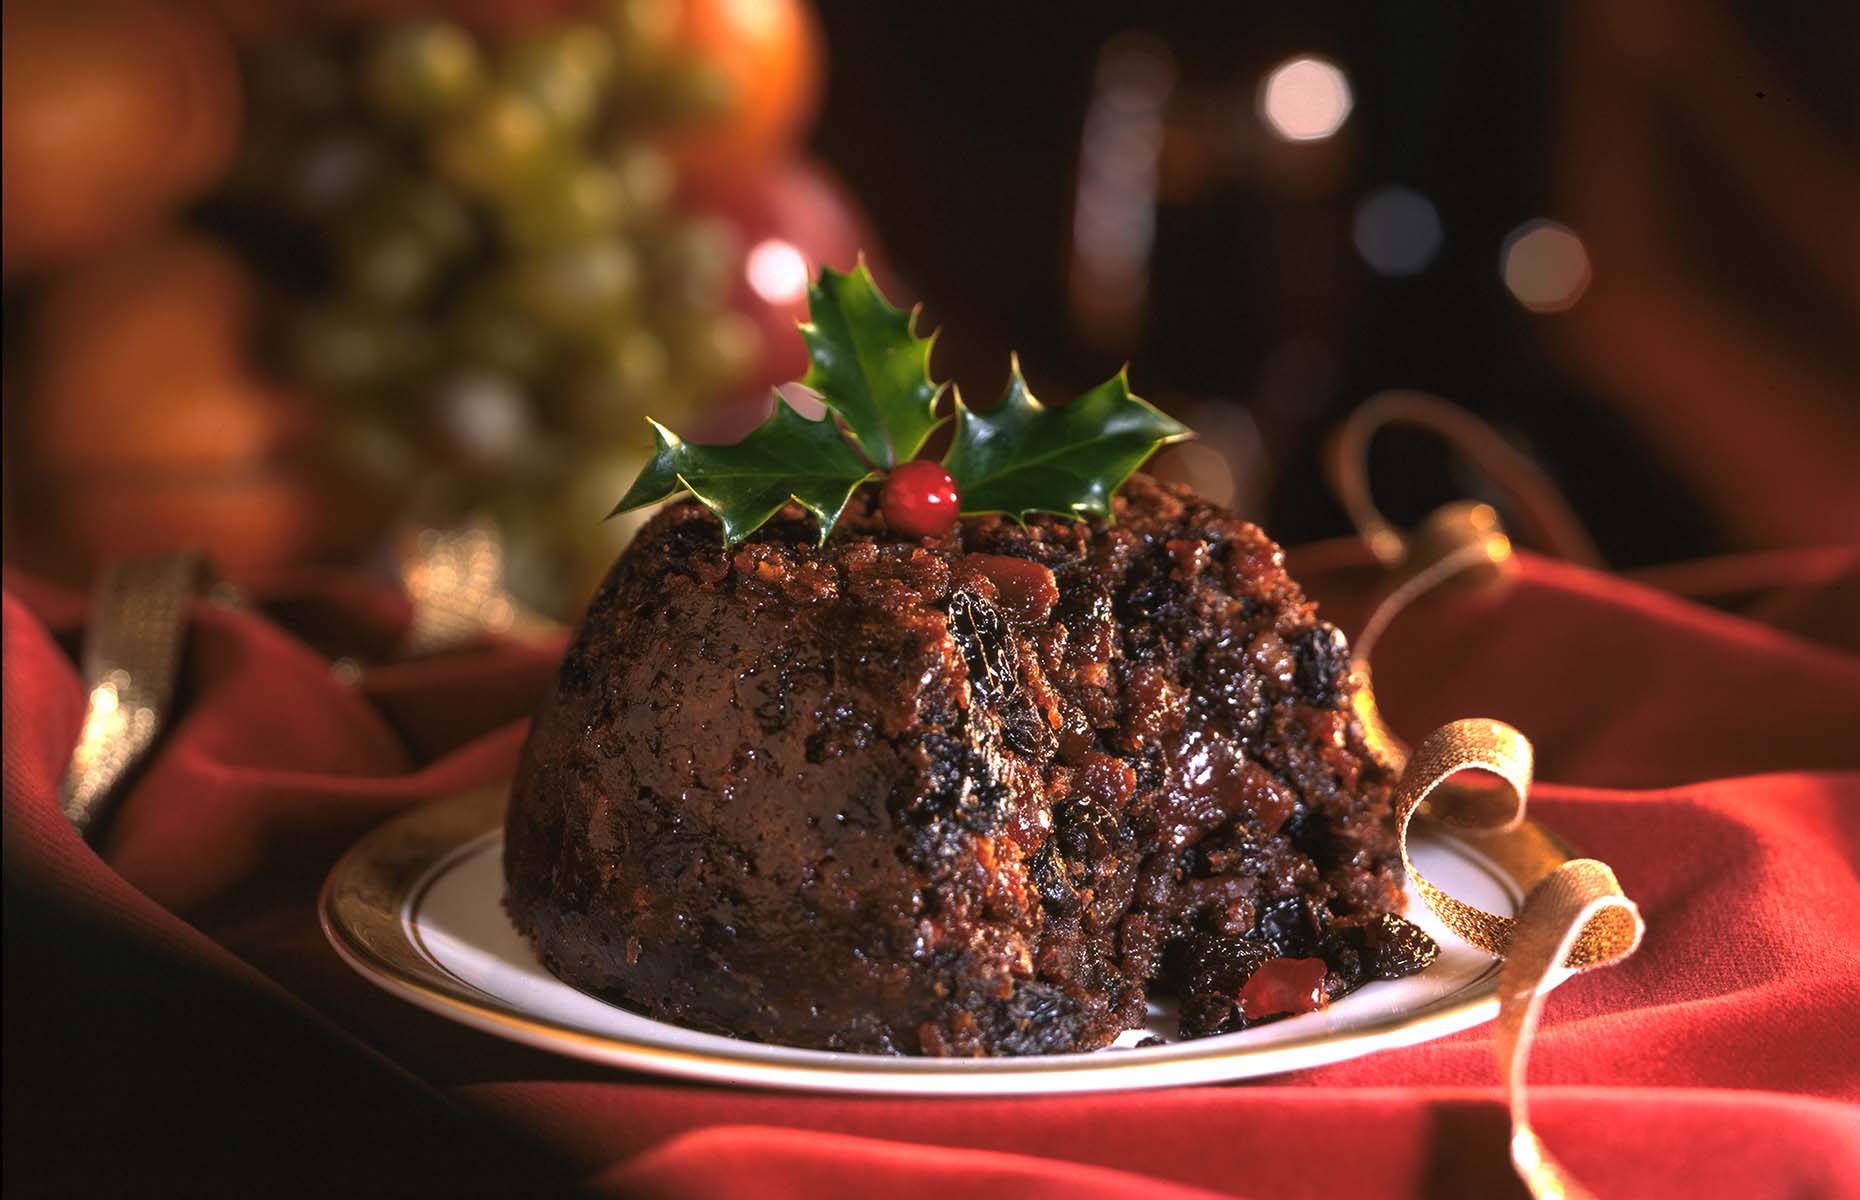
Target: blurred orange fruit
(493,18)
(769,55)
(114,112)
(243,523)
(147,425)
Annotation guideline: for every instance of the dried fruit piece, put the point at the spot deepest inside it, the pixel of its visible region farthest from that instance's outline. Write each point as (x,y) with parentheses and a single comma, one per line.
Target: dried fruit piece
(1025,590)
(994,665)
(1377,946)
(1214,970)
(1291,926)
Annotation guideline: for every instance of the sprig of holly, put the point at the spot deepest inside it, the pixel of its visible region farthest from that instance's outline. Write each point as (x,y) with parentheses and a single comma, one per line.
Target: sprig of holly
(872,374)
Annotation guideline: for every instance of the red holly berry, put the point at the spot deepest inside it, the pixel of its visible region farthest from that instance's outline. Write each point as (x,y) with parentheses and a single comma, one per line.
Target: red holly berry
(1283,985)
(920,500)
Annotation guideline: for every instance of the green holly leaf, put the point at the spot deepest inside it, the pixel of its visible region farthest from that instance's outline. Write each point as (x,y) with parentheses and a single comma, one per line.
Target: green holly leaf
(872,372)
(1023,457)
(659,478)
(787,457)
(868,367)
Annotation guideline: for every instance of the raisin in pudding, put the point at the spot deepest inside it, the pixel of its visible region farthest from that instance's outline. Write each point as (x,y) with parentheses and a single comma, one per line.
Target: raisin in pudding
(976,794)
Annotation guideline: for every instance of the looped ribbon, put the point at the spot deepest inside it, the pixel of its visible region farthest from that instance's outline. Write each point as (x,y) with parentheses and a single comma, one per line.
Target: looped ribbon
(1574,916)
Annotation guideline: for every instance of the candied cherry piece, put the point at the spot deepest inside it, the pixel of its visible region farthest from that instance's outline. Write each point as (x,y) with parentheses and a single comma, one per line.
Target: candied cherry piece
(1284,985)
(1025,590)
(920,500)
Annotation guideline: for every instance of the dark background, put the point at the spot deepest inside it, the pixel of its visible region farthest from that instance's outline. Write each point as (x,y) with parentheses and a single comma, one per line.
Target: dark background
(958,126)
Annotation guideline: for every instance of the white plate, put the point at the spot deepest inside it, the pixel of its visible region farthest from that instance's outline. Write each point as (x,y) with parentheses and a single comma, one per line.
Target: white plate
(415,907)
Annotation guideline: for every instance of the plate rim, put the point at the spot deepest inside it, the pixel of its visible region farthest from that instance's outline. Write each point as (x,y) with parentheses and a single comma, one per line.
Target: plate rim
(364,909)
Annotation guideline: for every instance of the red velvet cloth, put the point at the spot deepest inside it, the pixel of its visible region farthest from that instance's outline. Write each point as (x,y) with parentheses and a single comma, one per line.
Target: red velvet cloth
(176,1024)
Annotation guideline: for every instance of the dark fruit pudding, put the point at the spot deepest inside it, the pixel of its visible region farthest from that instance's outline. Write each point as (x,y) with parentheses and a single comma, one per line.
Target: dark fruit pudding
(976,793)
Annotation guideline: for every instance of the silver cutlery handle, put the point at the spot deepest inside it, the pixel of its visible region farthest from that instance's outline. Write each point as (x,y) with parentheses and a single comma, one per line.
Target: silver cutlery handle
(132,653)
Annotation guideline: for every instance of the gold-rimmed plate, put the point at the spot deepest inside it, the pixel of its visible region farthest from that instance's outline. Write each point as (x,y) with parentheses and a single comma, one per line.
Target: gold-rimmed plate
(416,908)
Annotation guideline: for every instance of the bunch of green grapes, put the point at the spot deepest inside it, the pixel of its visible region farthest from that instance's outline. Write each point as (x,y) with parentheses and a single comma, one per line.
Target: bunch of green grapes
(490,284)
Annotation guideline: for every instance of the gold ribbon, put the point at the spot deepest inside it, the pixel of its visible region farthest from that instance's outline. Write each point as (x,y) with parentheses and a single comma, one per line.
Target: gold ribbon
(1535,498)
(1574,918)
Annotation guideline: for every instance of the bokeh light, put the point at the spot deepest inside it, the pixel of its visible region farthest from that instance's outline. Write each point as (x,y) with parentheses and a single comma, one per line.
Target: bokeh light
(1545,266)
(1305,99)
(777,271)
(1397,230)
(484,416)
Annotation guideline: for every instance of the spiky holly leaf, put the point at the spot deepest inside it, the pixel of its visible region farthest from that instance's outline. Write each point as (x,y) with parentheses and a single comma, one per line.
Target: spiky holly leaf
(1023,457)
(787,457)
(658,480)
(873,372)
(868,366)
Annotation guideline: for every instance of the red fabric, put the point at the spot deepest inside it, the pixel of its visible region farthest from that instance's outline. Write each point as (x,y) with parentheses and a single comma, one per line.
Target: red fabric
(176,1024)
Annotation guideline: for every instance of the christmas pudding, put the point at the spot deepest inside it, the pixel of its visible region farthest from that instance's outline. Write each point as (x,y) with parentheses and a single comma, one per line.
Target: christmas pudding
(829,767)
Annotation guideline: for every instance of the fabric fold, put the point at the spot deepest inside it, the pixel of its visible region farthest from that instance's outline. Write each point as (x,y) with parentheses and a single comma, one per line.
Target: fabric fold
(173,985)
